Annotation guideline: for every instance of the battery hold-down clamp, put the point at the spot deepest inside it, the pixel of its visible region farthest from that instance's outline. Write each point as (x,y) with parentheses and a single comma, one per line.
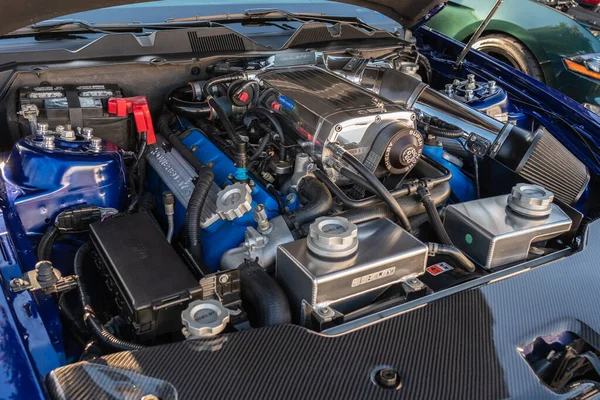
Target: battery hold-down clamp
(138,106)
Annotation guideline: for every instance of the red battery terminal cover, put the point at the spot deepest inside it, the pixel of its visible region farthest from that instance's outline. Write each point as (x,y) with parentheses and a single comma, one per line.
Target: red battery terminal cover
(138,106)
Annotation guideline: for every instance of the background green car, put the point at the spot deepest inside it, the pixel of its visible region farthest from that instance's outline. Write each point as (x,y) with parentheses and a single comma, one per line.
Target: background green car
(538,40)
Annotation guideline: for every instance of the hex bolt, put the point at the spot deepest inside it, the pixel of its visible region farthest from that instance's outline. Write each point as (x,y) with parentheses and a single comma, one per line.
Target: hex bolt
(449,88)
(48,142)
(224,279)
(96,144)
(492,86)
(388,378)
(261,218)
(42,128)
(338,128)
(87,133)
(471,78)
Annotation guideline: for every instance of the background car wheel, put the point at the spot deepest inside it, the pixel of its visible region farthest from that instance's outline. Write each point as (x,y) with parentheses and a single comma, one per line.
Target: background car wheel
(512,52)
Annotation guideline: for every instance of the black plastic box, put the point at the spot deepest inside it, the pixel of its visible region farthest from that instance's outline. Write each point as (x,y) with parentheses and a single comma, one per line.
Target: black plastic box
(150,282)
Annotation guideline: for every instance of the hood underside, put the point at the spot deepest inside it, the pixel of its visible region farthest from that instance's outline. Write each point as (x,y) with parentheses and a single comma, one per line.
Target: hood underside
(406,12)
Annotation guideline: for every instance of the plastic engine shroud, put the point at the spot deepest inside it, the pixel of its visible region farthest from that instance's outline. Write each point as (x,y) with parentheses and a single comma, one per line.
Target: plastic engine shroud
(222,235)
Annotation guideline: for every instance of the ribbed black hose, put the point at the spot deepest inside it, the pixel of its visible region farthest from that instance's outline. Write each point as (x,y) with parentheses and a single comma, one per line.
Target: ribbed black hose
(437,127)
(451,251)
(165,131)
(177,103)
(434,216)
(319,201)
(93,324)
(411,206)
(381,190)
(44,249)
(263,298)
(262,111)
(194,211)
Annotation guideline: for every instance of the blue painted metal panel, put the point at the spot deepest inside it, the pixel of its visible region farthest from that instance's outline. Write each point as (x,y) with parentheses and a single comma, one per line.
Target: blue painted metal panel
(463,188)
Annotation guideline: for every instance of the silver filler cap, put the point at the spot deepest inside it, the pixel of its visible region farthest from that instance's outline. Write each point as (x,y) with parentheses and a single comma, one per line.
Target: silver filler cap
(332,237)
(87,133)
(204,318)
(234,201)
(96,144)
(48,142)
(530,200)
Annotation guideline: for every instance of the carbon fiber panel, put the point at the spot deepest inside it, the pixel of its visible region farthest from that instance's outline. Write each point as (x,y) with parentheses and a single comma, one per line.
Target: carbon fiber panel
(459,347)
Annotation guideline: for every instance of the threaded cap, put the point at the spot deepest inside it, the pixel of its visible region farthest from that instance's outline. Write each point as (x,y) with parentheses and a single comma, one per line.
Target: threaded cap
(234,201)
(332,237)
(205,318)
(530,200)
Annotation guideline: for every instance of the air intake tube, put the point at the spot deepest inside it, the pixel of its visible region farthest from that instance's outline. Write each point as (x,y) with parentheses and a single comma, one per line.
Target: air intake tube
(536,156)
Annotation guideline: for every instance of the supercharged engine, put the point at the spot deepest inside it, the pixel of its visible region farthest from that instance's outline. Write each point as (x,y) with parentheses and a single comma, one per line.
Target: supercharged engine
(301,188)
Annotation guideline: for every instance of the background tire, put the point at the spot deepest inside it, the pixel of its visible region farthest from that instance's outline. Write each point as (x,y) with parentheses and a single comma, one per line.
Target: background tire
(512,52)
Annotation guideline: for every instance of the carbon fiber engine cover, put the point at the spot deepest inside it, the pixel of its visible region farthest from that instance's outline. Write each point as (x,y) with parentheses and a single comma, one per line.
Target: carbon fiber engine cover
(462,346)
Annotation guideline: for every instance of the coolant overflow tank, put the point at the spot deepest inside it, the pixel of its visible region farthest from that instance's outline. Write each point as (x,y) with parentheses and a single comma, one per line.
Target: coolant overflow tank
(346,266)
(500,230)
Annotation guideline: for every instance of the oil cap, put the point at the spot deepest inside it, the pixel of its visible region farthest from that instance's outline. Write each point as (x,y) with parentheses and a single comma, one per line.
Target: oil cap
(332,237)
(234,201)
(204,319)
(530,200)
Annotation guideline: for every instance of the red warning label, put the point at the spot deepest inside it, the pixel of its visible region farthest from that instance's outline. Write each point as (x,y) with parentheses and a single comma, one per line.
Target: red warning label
(439,268)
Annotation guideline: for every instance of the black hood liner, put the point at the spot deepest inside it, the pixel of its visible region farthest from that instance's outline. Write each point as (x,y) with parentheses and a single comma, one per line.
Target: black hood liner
(18,15)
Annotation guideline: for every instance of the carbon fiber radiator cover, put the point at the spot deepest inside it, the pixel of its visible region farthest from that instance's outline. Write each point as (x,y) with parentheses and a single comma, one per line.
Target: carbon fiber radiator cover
(458,347)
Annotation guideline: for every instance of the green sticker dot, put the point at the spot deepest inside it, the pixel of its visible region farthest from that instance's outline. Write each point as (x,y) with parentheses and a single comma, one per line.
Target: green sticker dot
(468,238)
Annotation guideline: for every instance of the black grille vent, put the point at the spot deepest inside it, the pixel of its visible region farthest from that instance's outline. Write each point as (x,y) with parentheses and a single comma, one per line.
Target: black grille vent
(319,33)
(555,168)
(208,44)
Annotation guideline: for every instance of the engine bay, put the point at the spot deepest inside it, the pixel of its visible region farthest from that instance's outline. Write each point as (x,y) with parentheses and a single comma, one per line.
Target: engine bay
(302,188)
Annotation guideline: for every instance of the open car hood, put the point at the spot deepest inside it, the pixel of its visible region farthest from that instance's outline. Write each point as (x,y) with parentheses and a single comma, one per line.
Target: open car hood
(406,12)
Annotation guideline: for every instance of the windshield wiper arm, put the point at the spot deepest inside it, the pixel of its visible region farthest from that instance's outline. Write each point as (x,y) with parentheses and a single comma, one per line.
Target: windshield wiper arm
(68,26)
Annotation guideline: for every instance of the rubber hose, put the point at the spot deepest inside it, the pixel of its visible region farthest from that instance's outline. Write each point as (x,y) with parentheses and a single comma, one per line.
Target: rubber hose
(276,125)
(275,194)
(240,144)
(93,324)
(185,108)
(437,127)
(319,201)
(194,211)
(262,296)
(451,251)
(411,206)
(261,147)
(44,249)
(381,190)
(434,216)
(166,132)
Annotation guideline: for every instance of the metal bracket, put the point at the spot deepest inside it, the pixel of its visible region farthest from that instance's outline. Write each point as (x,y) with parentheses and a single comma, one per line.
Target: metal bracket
(44,278)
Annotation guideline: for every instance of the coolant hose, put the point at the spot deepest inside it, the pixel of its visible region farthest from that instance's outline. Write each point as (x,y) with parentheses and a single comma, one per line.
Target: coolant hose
(93,324)
(451,251)
(44,249)
(164,129)
(276,125)
(262,296)
(184,108)
(411,206)
(194,211)
(319,201)
(434,216)
(379,187)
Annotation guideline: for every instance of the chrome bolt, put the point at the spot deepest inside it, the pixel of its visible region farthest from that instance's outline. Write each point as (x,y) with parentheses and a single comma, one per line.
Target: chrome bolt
(59,128)
(48,142)
(42,128)
(261,218)
(338,128)
(492,86)
(96,144)
(87,133)
(68,135)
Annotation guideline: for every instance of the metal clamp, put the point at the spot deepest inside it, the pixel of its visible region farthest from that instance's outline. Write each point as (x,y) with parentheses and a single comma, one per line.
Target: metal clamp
(45,278)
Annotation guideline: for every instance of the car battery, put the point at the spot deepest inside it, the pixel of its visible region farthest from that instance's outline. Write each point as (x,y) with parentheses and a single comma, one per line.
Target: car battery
(79,106)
